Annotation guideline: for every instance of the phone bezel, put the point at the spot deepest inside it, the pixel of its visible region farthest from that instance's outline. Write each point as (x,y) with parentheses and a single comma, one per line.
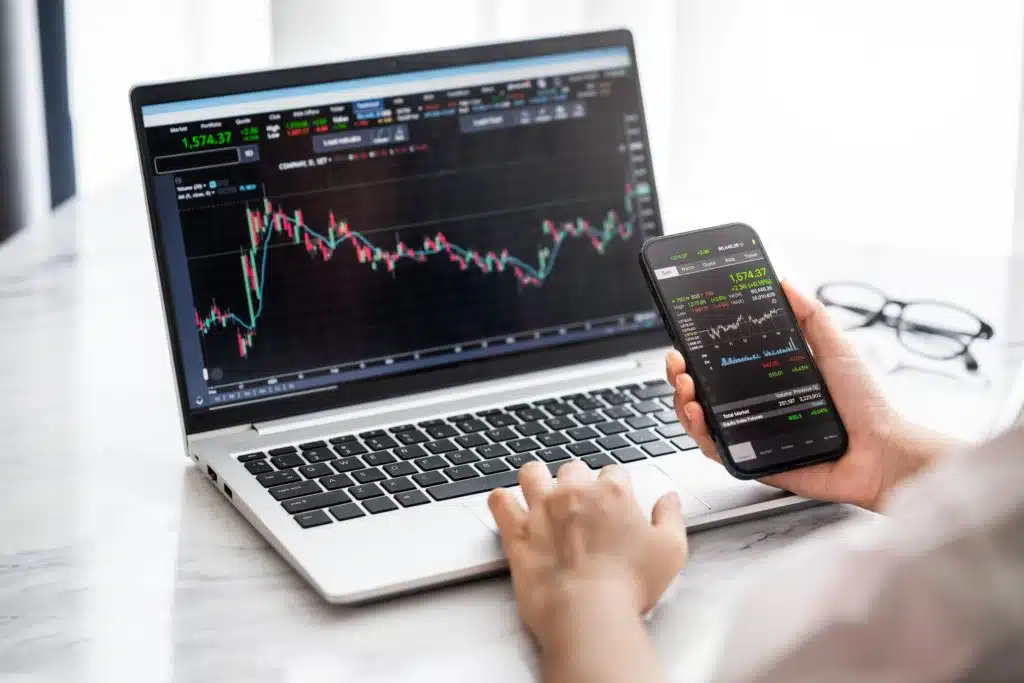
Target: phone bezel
(710,419)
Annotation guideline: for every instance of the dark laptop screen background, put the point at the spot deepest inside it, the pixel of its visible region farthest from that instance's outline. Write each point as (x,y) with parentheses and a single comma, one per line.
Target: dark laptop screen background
(324,234)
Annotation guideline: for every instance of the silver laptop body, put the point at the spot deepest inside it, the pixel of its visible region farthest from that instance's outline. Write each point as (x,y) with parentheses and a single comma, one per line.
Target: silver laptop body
(390,283)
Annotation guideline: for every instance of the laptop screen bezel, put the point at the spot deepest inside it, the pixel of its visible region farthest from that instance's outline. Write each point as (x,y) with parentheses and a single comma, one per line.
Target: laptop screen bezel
(399,385)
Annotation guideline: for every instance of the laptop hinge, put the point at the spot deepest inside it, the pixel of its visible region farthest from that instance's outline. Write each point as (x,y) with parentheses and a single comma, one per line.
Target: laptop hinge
(216,433)
(541,381)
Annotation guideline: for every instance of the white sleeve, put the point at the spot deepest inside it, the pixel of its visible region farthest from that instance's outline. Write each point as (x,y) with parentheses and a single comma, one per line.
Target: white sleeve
(935,593)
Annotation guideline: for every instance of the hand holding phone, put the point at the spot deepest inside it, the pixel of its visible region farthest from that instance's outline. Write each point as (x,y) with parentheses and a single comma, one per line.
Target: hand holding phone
(763,398)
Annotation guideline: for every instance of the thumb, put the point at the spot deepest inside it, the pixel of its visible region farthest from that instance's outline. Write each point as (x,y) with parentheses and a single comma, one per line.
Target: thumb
(825,339)
(668,513)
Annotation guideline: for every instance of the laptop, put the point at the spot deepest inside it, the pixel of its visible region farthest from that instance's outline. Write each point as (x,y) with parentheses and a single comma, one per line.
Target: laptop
(390,283)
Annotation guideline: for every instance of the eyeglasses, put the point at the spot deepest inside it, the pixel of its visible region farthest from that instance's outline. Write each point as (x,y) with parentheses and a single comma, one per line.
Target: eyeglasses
(933,329)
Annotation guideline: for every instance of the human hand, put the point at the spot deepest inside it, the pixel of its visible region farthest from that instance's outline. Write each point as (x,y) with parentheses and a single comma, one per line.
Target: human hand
(883,449)
(583,553)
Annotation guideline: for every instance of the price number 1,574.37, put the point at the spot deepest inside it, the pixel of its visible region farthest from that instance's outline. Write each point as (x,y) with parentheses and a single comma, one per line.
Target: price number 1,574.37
(751,274)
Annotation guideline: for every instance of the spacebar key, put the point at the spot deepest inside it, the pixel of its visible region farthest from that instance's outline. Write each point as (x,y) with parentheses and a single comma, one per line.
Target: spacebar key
(468,487)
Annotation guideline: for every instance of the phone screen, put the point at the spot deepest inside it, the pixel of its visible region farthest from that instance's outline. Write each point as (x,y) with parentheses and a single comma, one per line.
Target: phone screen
(724,308)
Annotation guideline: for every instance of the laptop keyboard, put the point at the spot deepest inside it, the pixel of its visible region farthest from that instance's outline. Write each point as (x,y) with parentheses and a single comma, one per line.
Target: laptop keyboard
(353,475)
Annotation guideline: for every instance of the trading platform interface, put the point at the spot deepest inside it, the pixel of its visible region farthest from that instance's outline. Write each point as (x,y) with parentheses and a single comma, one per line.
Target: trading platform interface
(729,313)
(322,234)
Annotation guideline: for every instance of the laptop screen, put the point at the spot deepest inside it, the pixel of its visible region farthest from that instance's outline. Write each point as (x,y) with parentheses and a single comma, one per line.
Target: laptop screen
(332,233)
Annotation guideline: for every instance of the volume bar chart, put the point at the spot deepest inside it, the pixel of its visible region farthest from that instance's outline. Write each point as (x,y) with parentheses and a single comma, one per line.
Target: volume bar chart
(270,228)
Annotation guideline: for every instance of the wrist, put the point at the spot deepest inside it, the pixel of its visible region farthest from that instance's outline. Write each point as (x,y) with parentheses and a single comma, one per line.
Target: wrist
(585,606)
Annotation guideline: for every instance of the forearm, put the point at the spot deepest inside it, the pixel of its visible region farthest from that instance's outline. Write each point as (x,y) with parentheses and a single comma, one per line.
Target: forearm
(914,450)
(599,638)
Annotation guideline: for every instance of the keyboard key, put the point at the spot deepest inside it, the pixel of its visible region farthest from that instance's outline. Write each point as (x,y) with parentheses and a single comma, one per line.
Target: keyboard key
(553,454)
(609,428)
(531,429)
(598,460)
(471,425)
(672,430)
(470,440)
(345,438)
(379,458)
(398,485)
(400,469)
(630,454)
(502,420)
(616,399)
(668,401)
(365,491)
(350,448)
(645,407)
(520,459)
(426,479)
(380,442)
(401,428)
(379,505)
(286,462)
(315,502)
(560,423)
(552,439)
(666,417)
(517,407)
(553,467)
(302,488)
(280,477)
(352,464)
(434,462)
(461,472)
(589,417)
(610,443)
(573,397)
(282,450)
(656,448)
(409,452)
(618,413)
(462,457)
(431,423)
(310,445)
(683,443)
(492,467)
(588,403)
(319,455)
(442,446)
(408,499)
(641,422)
(493,450)
(642,436)
(530,414)
(489,411)
(502,434)
(654,382)
(582,433)
(337,481)
(347,511)
(628,387)
(658,390)
(258,467)
(464,417)
(471,486)
(412,436)
(369,434)
(442,431)
(368,475)
(523,445)
(316,471)
(559,409)
(308,520)
(249,457)
(583,448)
(546,402)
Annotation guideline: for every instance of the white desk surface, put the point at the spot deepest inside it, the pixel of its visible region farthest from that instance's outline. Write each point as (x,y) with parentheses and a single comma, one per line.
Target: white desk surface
(118,562)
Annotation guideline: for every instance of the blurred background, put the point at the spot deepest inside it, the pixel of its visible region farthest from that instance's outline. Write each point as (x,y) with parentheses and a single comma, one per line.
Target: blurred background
(871,121)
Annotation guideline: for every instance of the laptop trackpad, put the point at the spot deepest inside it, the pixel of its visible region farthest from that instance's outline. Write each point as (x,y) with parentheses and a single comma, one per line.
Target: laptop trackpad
(649,484)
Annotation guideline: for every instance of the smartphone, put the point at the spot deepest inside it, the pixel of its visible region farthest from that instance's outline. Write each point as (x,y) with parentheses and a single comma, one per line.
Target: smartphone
(765,402)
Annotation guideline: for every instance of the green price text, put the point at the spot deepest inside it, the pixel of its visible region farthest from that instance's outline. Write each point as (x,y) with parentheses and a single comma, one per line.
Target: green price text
(744,275)
(207,140)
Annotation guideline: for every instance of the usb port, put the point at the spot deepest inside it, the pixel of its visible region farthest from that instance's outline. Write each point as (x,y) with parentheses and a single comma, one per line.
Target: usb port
(211,473)
(227,492)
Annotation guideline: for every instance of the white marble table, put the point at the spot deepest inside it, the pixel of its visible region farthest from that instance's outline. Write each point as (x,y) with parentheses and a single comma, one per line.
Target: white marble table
(118,562)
